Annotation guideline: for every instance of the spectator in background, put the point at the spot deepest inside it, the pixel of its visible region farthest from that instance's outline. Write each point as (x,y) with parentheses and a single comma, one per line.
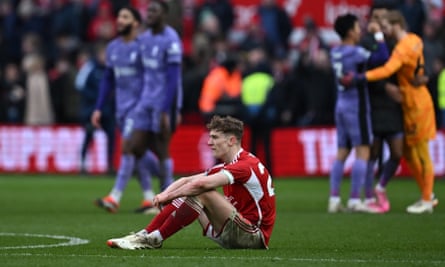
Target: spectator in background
(68,21)
(195,69)
(102,26)
(7,35)
(220,94)
(433,45)
(12,94)
(66,98)
(31,43)
(433,51)
(87,82)
(38,108)
(20,22)
(255,37)
(277,26)
(258,100)
(318,85)
(311,45)
(218,13)
(415,14)
(441,94)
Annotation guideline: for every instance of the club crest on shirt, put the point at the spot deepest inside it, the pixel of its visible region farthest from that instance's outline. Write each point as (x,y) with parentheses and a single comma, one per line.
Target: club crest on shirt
(133,56)
(174,49)
(154,50)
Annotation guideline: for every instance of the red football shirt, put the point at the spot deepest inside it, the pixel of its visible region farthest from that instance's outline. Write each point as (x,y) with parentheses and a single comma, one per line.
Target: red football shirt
(250,190)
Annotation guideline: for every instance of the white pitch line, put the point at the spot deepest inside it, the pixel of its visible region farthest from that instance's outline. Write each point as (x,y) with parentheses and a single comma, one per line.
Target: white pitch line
(71,241)
(279,259)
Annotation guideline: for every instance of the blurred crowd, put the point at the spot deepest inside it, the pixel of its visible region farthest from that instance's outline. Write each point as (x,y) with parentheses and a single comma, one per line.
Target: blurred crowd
(257,74)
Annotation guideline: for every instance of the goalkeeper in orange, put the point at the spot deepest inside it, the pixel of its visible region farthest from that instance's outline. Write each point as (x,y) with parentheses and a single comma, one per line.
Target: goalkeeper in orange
(406,62)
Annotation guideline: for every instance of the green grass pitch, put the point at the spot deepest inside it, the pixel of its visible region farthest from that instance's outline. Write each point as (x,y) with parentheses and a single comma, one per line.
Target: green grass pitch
(36,210)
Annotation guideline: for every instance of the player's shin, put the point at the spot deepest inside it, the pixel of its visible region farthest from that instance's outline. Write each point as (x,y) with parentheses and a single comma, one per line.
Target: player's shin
(187,213)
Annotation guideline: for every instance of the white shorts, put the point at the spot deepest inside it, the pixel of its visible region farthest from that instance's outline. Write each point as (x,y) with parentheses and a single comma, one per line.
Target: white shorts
(237,232)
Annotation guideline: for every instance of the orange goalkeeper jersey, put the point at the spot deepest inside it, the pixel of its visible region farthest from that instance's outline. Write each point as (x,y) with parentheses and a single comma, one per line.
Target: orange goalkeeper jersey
(418,111)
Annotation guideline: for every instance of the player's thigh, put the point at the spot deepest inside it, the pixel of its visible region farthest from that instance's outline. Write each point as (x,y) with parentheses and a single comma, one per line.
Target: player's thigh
(139,142)
(217,208)
(396,143)
(376,147)
(353,129)
(362,152)
(162,143)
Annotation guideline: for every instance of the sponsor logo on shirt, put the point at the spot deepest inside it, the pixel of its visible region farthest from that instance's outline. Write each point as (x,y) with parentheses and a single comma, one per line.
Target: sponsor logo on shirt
(124,71)
(150,63)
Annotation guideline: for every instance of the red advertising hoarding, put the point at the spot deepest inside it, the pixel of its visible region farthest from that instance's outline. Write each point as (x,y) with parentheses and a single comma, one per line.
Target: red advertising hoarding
(295,151)
(323,12)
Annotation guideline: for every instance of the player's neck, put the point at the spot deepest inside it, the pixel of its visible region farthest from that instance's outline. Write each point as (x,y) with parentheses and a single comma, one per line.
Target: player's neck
(158,28)
(401,34)
(129,37)
(348,41)
(230,156)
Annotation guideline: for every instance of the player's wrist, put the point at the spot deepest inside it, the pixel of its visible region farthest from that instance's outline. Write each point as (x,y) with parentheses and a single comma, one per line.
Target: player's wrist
(379,36)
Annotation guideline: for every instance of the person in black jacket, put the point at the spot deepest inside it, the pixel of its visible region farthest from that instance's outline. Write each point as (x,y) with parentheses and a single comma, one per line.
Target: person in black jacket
(387,124)
(87,82)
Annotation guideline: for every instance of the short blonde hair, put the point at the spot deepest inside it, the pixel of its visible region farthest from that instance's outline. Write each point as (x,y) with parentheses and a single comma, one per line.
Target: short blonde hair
(395,17)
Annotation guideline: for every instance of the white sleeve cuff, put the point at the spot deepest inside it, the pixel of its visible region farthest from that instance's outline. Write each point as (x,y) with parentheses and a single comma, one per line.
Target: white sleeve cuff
(379,37)
(230,177)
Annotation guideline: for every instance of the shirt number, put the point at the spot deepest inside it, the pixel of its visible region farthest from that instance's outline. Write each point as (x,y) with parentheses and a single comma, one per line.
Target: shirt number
(270,189)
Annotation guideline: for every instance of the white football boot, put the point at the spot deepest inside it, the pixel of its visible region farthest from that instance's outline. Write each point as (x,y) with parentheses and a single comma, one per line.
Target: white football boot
(420,207)
(139,240)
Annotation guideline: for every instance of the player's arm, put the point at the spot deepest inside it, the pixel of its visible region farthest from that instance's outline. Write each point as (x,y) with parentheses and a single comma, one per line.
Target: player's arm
(193,185)
(173,77)
(389,68)
(171,91)
(379,56)
(106,86)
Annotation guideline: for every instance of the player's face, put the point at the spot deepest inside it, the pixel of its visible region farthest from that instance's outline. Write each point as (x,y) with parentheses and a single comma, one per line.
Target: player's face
(356,32)
(379,14)
(219,143)
(154,14)
(125,22)
(386,27)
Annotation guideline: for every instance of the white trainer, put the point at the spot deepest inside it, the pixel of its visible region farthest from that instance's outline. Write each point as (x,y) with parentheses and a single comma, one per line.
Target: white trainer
(356,206)
(139,240)
(335,206)
(420,207)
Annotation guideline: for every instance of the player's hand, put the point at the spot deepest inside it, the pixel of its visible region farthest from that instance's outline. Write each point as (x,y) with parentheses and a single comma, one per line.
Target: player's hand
(419,80)
(178,119)
(374,27)
(95,118)
(351,79)
(160,199)
(165,123)
(394,92)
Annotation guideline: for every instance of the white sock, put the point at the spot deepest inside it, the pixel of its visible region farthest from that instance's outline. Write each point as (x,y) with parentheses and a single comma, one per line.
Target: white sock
(157,235)
(369,200)
(335,199)
(380,188)
(149,195)
(354,201)
(116,195)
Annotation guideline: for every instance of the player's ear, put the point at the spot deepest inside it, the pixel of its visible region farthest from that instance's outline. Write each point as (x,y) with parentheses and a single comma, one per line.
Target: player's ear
(232,140)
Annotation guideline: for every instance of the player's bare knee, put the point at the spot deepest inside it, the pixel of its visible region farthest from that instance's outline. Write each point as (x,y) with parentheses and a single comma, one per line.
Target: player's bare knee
(207,197)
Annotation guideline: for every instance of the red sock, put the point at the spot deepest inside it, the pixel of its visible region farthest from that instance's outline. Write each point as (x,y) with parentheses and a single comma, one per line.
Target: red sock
(159,219)
(184,215)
